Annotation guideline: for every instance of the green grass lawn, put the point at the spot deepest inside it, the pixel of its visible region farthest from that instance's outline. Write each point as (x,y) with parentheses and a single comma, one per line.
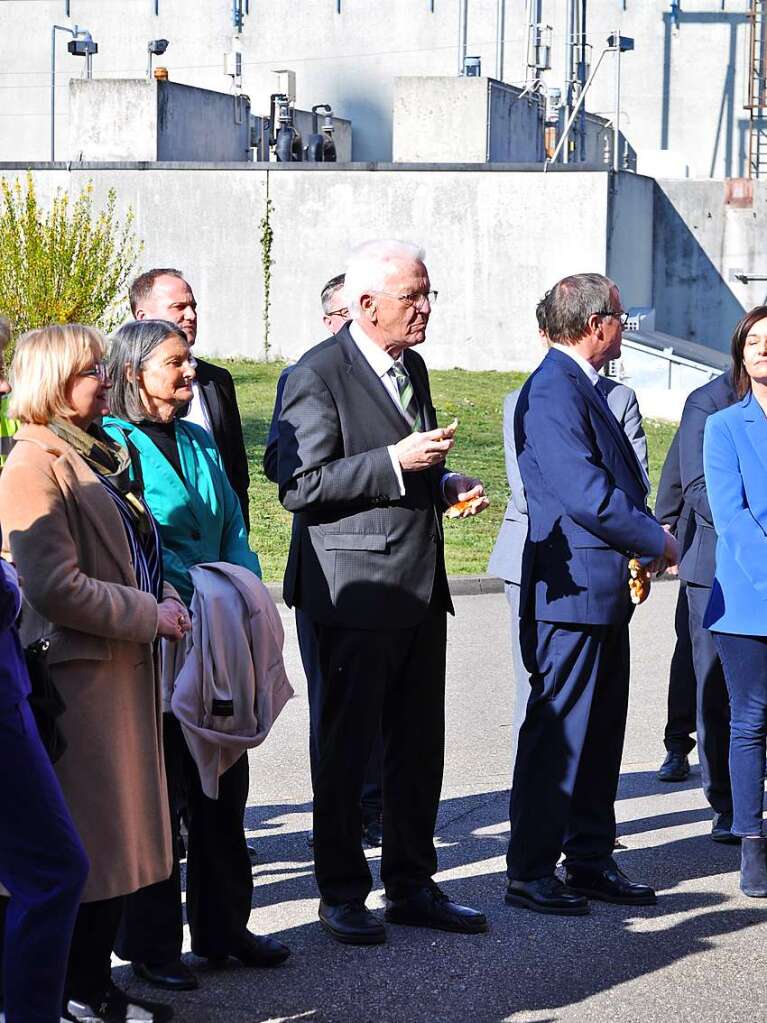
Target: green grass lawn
(476,399)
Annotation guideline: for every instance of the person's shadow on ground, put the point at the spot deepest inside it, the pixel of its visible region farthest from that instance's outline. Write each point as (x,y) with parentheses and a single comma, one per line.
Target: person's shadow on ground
(525,969)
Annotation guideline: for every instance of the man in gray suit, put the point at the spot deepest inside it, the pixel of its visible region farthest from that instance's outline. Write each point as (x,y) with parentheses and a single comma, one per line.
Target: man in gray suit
(506,559)
(361,466)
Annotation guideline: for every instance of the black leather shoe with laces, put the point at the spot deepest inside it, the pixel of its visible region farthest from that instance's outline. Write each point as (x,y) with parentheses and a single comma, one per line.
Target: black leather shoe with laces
(430,907)
(675,767)
(352,923)
(546,895)
(610,885)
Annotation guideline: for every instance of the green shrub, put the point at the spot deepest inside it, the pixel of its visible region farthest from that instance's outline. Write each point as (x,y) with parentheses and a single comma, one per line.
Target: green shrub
(67,264)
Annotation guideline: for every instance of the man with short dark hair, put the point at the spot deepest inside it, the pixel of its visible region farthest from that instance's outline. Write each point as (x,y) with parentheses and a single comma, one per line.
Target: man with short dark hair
(586,498)
(164,294)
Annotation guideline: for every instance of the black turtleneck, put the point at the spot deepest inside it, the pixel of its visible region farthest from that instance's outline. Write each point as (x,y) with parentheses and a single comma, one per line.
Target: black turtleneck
(164,436)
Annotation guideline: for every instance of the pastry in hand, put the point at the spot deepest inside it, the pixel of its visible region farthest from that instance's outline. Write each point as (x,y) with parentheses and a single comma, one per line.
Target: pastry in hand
(639,581)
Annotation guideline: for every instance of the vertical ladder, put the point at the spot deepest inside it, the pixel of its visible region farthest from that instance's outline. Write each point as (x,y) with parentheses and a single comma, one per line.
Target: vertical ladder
(757,90)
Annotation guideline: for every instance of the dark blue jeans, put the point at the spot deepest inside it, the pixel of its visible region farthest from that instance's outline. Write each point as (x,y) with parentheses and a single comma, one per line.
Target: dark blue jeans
(744,659)
(43,866)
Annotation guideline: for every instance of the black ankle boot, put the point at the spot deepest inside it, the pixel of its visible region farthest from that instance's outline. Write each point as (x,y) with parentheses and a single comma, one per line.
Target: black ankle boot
(753,867)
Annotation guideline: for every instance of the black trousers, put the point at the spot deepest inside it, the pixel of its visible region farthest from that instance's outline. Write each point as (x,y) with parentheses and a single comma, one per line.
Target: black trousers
(89,970)
(713,706)
(393,680)
(372,796)
(680,724)
(219,879)
(570,746)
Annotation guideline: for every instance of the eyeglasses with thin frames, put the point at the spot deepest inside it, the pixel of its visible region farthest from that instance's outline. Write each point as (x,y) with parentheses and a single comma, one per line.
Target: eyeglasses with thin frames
(416,302)
(622,316)
(339,312)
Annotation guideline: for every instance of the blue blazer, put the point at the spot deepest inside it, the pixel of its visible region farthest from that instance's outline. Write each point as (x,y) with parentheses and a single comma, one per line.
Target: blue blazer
(586,498)
(735,464)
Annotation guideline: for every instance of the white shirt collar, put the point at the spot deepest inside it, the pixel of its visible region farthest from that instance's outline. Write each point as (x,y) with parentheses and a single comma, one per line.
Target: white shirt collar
(587,368)
(380,361)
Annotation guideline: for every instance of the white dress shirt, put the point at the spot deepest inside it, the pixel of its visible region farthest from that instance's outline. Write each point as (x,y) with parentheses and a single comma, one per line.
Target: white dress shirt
(585,365)
(198,409)
(380,362)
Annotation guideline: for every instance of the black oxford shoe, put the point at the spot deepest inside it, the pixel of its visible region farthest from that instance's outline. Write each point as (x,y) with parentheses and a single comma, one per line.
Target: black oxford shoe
(172,976)
(675,767)
(546,895)
(610,885)
(721,829)
(255,950)
(430,907)
(352,923)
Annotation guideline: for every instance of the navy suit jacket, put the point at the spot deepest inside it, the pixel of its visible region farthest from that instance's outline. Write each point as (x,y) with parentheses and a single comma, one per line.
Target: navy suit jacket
(699,554)
(586,500)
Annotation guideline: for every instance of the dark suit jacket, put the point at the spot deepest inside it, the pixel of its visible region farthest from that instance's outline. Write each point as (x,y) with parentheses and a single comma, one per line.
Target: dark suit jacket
(699,560)
(270,451)
(218,390)
(361,556)
(585,496)
(670,506)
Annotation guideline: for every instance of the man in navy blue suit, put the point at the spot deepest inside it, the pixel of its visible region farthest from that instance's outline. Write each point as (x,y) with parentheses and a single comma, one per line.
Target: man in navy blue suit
(586,496)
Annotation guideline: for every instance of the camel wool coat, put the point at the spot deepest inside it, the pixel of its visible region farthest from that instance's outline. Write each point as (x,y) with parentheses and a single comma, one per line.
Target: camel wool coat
(69,545)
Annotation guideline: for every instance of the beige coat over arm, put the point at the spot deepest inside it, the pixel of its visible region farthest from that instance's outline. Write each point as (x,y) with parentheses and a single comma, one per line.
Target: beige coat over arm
(69,544)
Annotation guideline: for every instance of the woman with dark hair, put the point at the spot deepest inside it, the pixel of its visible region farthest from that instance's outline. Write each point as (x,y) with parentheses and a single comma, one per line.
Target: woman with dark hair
(200,522)
(735,463)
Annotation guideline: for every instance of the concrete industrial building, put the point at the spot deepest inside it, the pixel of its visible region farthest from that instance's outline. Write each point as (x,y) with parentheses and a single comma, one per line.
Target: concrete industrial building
(682,92)
(456,162)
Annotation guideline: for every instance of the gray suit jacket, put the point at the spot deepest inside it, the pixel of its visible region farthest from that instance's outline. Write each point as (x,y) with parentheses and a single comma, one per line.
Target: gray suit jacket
(361,555)
(506,559)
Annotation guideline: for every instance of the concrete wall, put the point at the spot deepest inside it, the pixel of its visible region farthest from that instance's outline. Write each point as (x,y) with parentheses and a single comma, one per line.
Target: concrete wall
(682,86)
(495,241)
(140,119)
(700,240)
(199,124)
(515,134)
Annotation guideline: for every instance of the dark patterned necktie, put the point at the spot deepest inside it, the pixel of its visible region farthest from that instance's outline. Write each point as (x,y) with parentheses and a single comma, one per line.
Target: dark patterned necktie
(407,398)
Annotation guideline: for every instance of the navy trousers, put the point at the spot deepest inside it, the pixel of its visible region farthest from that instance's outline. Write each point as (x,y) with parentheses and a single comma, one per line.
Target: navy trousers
(371,801)
(680,723)
(44,867)
(745,668)
(713,706)
(570,746)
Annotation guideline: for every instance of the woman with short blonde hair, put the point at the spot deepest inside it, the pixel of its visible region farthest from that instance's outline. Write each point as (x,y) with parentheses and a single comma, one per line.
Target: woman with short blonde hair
(88,551)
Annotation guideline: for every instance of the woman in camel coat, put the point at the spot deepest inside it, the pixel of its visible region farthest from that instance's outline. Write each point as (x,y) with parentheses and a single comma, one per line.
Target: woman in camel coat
(88,554)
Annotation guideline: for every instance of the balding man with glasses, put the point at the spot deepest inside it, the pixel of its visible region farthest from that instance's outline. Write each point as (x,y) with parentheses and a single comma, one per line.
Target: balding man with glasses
(361,465)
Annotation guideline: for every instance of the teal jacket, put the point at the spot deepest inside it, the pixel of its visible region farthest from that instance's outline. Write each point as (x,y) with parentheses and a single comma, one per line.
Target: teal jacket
(200,519)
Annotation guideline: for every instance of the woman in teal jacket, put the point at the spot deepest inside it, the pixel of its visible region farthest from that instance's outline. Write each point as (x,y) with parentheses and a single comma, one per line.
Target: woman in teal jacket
(200,521)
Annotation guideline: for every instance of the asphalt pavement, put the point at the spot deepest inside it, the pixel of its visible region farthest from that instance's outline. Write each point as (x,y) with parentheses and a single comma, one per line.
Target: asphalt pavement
(699,955)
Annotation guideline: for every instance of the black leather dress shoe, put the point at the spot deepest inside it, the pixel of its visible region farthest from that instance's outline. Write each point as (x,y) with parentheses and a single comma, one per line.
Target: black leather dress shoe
(254,950)
(610,885)
(430,907)
(352,923)
(675,767)
(172,976)
(546,895)
(721,830)
(115,1006)
(372,832)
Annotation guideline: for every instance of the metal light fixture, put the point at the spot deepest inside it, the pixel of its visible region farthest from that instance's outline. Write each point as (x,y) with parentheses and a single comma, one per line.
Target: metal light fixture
(154,48)
(81,45)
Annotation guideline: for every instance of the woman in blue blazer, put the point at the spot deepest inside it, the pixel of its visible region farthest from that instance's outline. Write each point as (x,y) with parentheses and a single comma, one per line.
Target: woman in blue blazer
(200,520)
(735,462)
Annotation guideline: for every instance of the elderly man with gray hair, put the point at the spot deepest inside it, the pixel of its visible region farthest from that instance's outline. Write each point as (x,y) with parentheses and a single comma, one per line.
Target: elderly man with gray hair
(361,466)
(586,500)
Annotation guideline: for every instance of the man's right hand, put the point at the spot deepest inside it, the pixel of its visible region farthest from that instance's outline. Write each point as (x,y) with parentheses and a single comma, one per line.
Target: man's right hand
(422,450)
